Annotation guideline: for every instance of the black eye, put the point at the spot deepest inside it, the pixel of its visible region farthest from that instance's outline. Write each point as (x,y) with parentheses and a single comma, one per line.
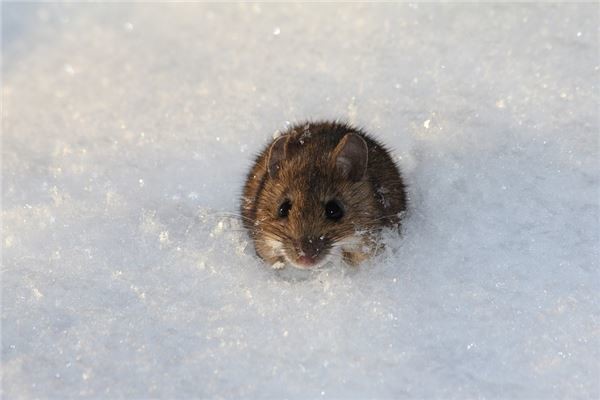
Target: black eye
(333,210)
(284,209)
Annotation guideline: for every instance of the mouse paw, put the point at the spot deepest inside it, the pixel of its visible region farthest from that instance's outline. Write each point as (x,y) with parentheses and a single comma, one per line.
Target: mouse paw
(278,265)
(354,257)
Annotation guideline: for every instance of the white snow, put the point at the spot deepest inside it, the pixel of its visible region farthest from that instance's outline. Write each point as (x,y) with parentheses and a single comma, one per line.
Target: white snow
(127,131)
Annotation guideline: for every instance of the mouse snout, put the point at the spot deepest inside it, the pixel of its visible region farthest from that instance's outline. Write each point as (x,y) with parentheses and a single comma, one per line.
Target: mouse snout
(309,250)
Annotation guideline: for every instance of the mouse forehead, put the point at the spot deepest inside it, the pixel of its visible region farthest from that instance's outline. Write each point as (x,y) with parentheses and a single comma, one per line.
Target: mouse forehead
(310,181)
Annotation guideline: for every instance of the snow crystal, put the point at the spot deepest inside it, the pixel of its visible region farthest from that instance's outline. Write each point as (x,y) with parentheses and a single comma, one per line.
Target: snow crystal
(127,133)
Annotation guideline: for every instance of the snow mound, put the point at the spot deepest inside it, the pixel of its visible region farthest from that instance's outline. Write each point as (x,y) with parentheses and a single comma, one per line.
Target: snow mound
(127,131)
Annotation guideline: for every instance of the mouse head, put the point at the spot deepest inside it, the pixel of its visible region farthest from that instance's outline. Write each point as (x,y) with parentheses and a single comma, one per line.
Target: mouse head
(316,203)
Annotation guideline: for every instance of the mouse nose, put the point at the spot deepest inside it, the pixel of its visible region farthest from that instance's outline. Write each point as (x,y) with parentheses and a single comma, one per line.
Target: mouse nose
(310,249)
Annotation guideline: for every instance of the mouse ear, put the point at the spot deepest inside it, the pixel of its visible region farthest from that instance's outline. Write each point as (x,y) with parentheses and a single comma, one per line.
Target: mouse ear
(276,155)
(351,156)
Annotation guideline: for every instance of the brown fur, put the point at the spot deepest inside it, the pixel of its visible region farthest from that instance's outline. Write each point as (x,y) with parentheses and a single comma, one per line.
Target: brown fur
(309,178)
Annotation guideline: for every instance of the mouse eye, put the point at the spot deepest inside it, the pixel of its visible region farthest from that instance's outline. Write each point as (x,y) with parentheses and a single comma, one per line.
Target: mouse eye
(284,209)
(333,210)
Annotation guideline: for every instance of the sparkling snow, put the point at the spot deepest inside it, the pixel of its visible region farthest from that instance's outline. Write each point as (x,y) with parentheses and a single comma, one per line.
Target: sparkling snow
(127,131)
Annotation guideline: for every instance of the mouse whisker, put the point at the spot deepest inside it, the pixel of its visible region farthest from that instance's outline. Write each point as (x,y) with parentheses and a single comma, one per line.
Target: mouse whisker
(232,214)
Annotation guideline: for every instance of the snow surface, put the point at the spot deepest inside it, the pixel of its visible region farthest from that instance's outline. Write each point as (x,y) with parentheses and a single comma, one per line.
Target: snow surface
(127,131)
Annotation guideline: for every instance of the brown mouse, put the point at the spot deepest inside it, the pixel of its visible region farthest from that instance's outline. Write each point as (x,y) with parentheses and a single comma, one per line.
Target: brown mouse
(321,191)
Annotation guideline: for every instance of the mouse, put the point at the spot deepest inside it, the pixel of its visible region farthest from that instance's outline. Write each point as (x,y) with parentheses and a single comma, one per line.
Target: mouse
(321,191)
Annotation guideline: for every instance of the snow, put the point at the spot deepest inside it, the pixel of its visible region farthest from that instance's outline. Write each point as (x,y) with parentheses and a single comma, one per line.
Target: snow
(128,129)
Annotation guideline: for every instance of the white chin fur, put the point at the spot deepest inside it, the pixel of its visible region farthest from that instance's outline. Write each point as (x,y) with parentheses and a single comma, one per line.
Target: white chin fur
(318,265)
